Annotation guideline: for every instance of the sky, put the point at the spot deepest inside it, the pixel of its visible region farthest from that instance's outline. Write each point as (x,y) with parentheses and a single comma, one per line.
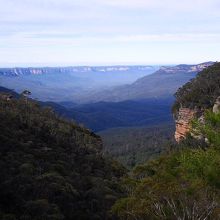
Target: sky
(108,32)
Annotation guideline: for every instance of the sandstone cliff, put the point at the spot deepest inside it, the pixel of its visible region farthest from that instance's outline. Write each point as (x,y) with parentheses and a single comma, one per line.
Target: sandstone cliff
(183,122)
(184,118)
(200,94)
(72,69)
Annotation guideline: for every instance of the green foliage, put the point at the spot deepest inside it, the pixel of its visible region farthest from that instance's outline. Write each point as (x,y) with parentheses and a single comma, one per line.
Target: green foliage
(201,91)
(132,146)
(51,168)
(210,129)
(184,184)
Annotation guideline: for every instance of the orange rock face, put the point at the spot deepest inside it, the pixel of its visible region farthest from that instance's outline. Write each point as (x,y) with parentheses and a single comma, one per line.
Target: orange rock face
(184,117)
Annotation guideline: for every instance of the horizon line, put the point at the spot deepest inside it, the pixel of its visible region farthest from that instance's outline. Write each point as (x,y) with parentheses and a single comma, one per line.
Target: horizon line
(41,65)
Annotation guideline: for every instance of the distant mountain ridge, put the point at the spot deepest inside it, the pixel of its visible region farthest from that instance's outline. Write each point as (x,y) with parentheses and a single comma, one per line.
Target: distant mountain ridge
(185,68)
(69,83)
(17,71)
(163,83)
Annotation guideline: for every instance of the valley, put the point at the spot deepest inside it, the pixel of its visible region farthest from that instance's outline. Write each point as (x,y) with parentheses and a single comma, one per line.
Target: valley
(52,166)
(109,110)
(136,145)
(129,117)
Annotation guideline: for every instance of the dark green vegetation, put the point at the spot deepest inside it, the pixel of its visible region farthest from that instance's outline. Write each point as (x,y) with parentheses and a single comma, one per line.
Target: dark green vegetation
(183,184)
(132,146)
(200,92)
(105,115)
(51,168)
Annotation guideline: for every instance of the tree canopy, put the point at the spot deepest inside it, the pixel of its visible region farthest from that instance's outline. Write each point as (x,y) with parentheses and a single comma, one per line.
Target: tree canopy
(51,168)
(200,92)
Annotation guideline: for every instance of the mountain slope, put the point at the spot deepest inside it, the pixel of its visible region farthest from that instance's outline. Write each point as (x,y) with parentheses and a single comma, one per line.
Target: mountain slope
(104,115)
(8,91)
(202,91)
(160,84)
(194,98)
(52,168)
(183,183)
(136,145)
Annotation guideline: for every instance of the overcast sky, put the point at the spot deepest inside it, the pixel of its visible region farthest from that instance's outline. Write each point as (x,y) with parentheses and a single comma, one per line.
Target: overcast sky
(99,32)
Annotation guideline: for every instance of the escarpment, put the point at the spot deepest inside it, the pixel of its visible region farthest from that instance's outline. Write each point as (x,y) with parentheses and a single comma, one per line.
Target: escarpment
(216,107)
(183,122)
(194,98)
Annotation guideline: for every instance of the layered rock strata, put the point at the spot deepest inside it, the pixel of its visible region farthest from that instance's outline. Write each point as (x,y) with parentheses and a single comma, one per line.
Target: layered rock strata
(183,122)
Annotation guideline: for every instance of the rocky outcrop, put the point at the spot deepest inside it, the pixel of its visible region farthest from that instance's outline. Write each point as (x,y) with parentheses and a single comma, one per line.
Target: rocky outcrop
(201,93)
(183,122)
(183,68)
(216,107)
(79,69)
(184,118)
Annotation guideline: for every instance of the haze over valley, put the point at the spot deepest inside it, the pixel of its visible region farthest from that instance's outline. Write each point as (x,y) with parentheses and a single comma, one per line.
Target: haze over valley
(109,110)
(70,83)
(109,100)
(105,97)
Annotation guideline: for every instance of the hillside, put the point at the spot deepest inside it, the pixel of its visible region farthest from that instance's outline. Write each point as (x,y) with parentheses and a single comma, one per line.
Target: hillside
(85,85)
(182,183)
(136,145)
(104,115)
(161,84)
(52,168)
(8,91)
(200,92)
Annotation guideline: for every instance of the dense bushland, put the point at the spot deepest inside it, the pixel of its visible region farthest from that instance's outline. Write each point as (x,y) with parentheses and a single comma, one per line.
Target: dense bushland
(183,184)
(200,92)
(51,168)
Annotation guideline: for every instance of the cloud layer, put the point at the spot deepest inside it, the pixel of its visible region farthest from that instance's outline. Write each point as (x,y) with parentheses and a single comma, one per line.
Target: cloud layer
(108,31)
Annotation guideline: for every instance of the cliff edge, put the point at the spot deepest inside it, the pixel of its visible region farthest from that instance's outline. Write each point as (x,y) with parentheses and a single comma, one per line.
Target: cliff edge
(194,98)
(184,117)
